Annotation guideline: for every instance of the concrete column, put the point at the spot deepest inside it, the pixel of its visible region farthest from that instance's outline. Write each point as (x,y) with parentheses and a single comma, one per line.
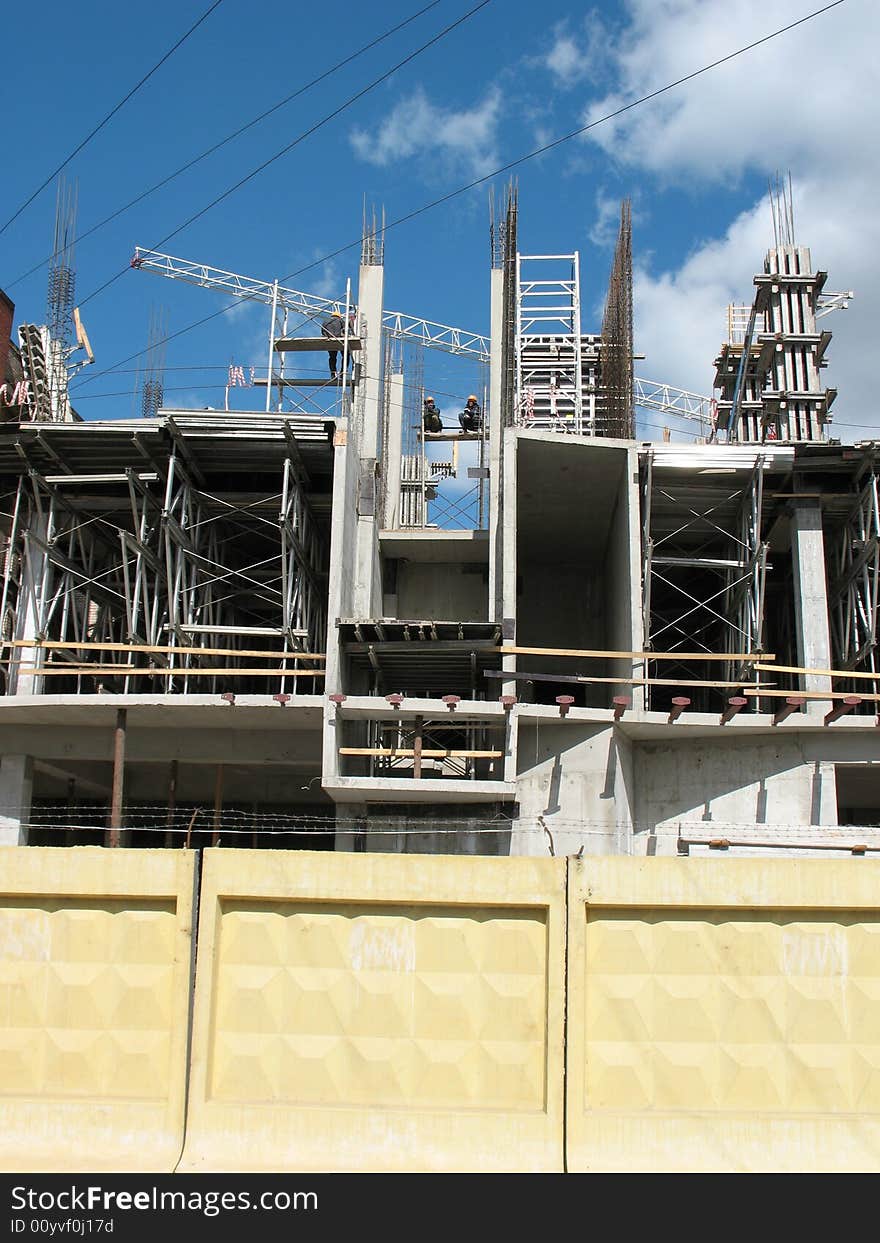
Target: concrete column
(368,589)
(394,441)
(114,835)
(16,787)
(811,599)
(496,428)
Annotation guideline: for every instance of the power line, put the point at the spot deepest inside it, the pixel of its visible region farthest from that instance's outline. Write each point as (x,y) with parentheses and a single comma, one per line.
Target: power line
(301,138)
(230,137)
(88,138)
(496,172)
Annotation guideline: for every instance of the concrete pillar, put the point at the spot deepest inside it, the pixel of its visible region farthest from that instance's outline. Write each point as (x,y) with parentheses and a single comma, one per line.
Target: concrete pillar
(114,836)
(16,788)
(394,441)
(496,429)
(365,425)
(811,599)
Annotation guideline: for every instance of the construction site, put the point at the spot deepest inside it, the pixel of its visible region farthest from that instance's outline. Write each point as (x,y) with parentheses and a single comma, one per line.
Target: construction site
(314,623)
(254,657)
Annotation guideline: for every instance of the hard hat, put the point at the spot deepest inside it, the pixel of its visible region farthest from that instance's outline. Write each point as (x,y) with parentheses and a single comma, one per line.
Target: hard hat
(472,398)
(429,399)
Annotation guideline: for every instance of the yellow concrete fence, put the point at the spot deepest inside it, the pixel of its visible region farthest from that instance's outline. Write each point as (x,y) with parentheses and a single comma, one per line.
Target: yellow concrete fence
(723,1015)
(378,1012)
(388,1012)
(94,1006)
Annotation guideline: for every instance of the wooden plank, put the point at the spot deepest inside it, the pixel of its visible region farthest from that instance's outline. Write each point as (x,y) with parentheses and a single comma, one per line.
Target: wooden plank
(409,753)
(830,673)
(568,677)
(869,698)
(129,671)
(511,650)
(295,345)
(145,647)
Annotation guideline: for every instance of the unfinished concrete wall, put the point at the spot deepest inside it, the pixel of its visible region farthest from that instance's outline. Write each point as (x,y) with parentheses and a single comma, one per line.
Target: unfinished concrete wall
(441,592)
(573,561)
(784,778)
(578,779)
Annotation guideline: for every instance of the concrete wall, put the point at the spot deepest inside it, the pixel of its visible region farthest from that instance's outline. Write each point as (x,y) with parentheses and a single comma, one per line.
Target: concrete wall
(578,778)
(387,1013)
(378,1013)
(723,1016)
(441,592)
(777,779)
(95,956)
(574,559)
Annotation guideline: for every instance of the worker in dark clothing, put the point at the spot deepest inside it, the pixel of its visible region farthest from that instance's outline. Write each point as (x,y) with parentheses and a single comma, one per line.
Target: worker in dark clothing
(431,420)
(333,327)
(471,418)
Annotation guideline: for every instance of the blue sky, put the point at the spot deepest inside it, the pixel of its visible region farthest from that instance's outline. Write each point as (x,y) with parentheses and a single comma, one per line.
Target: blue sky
(695,163)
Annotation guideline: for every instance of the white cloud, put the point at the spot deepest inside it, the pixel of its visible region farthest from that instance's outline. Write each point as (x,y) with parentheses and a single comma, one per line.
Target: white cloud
(416,126)
(603,231)
(565,60)
(799,103)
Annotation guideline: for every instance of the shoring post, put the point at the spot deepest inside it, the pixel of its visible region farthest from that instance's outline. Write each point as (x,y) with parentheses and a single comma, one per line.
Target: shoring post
(735,704)
(792,704)
(417,748)
(621,703)
(842,706)
(679,703)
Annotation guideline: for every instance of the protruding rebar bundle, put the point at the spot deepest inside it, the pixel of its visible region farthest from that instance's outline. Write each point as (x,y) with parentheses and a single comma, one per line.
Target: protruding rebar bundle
(153,386)
(617,335)
(373,239)
(62,278)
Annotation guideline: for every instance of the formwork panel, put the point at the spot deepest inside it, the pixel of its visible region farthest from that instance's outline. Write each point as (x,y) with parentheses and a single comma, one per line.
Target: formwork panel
(377,1013)
(94,1007)
(723,1015)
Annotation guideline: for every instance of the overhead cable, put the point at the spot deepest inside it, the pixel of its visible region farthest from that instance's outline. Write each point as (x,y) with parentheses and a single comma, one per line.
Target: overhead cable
(301,138)
(230,137)
(488,176)
(88,138)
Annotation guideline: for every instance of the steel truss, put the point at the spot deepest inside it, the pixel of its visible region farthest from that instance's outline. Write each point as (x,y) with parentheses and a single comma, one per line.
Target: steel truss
(704,569)
(854,588)
(155,559)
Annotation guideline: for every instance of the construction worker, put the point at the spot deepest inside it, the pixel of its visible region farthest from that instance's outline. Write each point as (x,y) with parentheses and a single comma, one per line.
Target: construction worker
(333,327)
(431,420)
(471,418)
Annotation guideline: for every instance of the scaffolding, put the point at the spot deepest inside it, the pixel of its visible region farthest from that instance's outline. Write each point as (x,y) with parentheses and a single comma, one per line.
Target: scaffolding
(854,587)
(704,564)
(768,370)
(163,575)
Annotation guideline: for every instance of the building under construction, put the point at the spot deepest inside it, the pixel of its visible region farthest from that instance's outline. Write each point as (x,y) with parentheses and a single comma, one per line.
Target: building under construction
(315,624)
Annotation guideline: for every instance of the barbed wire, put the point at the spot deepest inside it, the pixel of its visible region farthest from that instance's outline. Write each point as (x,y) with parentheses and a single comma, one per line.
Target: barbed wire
(199,818)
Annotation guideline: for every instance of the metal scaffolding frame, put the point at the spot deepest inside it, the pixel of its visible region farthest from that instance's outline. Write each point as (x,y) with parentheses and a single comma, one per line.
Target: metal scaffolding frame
(548,345)
(704,567)
(854,587)
(159,559)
